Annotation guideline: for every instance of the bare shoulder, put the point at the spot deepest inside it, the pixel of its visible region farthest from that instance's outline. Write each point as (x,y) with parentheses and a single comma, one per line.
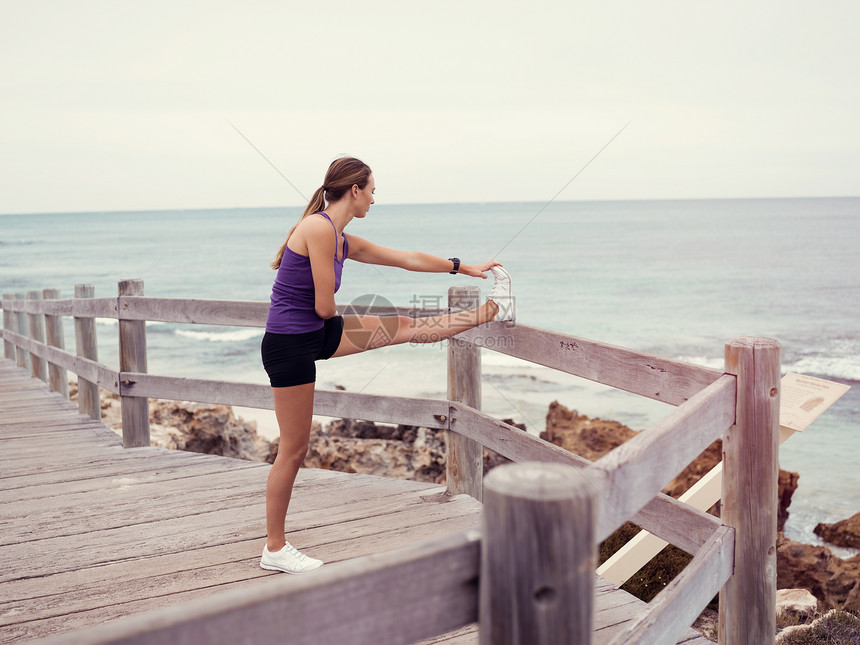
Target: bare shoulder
(313,229)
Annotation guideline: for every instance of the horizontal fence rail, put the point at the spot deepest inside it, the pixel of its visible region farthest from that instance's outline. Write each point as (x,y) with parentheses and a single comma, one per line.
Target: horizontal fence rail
(623,485)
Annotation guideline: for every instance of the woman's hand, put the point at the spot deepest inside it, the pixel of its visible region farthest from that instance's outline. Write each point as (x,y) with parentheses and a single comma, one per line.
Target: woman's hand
(478,270)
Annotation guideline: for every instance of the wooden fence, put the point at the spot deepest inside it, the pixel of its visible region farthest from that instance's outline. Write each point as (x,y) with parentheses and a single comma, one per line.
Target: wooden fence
(534,562)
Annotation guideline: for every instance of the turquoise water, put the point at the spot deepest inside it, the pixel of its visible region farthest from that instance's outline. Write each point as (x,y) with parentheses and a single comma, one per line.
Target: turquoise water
(675,278)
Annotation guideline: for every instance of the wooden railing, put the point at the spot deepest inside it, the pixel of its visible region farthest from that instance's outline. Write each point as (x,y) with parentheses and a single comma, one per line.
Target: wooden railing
(542,520)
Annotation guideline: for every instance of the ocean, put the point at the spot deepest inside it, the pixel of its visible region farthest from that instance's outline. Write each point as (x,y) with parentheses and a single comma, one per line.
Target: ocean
(674,278)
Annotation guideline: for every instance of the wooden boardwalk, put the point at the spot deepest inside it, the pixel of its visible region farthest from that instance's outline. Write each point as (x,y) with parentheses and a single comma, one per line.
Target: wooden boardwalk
(91,532)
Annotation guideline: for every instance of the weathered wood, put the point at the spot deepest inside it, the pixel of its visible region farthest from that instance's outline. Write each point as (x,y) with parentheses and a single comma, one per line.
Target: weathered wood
(675,608)
(749,502)
(651,376)
(87,346)
(684,527)
(57,376)
(22,356)
(9,320)
(82,308)
(464,465)
(132,358)
(240,313)
(88,371)
(427,413)
(201,535)
(36,332)
(634,472)
(375,600)
(538,556)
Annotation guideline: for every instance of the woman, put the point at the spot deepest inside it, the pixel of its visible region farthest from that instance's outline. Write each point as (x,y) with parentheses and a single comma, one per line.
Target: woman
(303,326)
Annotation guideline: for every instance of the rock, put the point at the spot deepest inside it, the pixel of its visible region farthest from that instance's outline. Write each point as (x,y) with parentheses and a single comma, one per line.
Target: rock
(797,605)
(208,428)
(577,433)
(833,581)
(836,626)
(593,438)
(842,533)
(403,452)
(196,427)
(787,484)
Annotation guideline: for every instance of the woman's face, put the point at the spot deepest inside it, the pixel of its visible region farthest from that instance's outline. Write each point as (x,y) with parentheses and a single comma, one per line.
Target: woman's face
(365,197)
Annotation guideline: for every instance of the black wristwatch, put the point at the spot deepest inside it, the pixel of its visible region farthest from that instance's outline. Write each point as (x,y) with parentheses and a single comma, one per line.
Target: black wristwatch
(456,262)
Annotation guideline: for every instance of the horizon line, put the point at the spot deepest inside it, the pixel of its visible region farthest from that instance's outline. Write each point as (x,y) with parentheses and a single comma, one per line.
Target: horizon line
(408,204)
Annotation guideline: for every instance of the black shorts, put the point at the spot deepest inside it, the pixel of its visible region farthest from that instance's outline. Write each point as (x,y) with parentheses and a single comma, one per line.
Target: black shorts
(289,358)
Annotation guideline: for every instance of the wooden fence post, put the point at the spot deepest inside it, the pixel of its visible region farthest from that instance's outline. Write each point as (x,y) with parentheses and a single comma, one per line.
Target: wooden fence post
(749,497)
(537,556)
(22,356)
(132,358)
(57,377)
(8,325)
(36,329)
(87,346)
(464,457)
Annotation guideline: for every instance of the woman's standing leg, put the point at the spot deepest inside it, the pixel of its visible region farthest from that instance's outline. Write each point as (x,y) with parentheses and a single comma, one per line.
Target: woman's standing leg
(294,408)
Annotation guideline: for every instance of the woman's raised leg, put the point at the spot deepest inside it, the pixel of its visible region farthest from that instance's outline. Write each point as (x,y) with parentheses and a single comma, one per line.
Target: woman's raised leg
(361,333)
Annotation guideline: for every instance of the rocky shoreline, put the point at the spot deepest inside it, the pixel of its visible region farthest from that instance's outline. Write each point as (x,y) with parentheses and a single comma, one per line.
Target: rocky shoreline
(419,453)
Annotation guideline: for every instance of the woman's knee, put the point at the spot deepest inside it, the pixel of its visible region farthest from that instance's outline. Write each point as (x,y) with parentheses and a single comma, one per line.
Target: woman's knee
(292,453)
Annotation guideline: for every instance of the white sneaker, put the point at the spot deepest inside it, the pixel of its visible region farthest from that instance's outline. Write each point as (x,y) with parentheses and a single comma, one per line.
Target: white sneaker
(289,560)
(502,295)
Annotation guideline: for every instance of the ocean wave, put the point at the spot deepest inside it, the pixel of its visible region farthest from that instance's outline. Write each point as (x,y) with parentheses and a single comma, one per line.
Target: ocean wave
(233,336)
(704,361)
(113,322)
(846,368)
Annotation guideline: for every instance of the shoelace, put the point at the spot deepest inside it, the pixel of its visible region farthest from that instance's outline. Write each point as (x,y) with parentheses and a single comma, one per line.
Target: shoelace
(296,553)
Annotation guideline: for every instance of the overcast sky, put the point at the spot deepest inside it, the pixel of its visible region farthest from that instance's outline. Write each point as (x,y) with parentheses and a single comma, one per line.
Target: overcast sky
(114,105)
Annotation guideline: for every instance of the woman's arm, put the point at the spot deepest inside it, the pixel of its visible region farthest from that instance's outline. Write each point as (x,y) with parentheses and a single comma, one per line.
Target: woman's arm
(321,249)
(362,250)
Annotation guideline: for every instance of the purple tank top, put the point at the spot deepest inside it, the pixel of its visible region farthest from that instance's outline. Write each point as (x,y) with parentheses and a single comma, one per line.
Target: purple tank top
(291,310)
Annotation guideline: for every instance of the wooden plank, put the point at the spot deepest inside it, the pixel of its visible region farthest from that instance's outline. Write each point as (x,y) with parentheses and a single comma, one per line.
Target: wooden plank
(36,332)
(91,371)
(58,378)
(132,358)
(90,580)
(87,348)
(674,609)
(176,534)
(686,528)
(537,556)
(651,376)
(426,413)
(238,313)
(22,358)
(183,310)
(375,600)
(9,320)
(80,306)
(186,472)
(464,465)
(223,568)
(633,473)
(749,499)
(127,504)
(116,463)
(159,583)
